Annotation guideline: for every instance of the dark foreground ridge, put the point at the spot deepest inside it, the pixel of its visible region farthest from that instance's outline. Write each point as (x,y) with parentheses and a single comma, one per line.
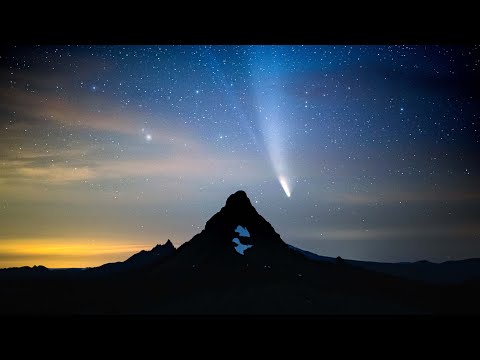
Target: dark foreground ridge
(238,264)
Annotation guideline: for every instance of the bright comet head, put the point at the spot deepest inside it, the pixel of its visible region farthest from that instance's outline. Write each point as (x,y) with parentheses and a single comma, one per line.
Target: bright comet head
(284,184)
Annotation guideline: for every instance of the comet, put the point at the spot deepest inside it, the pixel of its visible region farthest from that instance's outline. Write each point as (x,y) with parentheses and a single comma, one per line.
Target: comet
(284,183)
(270,98)
(275,140)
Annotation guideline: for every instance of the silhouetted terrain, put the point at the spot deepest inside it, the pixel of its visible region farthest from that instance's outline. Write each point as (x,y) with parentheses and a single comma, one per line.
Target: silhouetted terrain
(237,265)
(448,272)
(142,260)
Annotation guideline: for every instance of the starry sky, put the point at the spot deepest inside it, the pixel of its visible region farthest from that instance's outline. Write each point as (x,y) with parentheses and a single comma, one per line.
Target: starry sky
(108,150)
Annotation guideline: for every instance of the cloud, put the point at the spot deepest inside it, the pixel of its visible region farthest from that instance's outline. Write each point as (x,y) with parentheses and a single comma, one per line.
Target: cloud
(33,107)
(170,154)
(189,166)
(171,160)
(91,113)
(57,174)
(383,233)
(407,196)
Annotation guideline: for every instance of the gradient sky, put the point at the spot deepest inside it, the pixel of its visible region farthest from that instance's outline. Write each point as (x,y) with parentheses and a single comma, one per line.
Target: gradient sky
(108,150)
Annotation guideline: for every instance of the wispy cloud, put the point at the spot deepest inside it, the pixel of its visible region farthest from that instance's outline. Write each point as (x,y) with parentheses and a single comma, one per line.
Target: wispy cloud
(383,233)
(170,153)
(52,108)
(57,174)
(400,197)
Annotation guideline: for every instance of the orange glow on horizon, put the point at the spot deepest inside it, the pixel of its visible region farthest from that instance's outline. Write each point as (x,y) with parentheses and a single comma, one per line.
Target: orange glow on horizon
(62,253)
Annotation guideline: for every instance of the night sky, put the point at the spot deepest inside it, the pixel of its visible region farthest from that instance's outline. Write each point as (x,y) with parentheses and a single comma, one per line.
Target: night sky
(108,150)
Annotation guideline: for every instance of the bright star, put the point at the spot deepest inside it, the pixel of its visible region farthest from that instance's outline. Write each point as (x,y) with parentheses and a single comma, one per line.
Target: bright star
(148,137)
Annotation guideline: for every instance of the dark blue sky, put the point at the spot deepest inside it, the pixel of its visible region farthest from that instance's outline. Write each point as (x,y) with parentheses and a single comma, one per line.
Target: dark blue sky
(105,150)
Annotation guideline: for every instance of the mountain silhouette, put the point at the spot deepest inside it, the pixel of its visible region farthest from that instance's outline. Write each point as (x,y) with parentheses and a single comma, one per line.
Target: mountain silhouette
(141,260)
(238,264)
(214,246)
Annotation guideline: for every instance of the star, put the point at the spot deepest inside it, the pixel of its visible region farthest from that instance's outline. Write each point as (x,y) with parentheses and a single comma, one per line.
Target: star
(268,115)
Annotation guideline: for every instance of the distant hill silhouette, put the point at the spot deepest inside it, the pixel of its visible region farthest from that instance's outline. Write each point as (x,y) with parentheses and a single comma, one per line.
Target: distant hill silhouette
(449,272)
(141,260)
(26,269)
(207,275)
